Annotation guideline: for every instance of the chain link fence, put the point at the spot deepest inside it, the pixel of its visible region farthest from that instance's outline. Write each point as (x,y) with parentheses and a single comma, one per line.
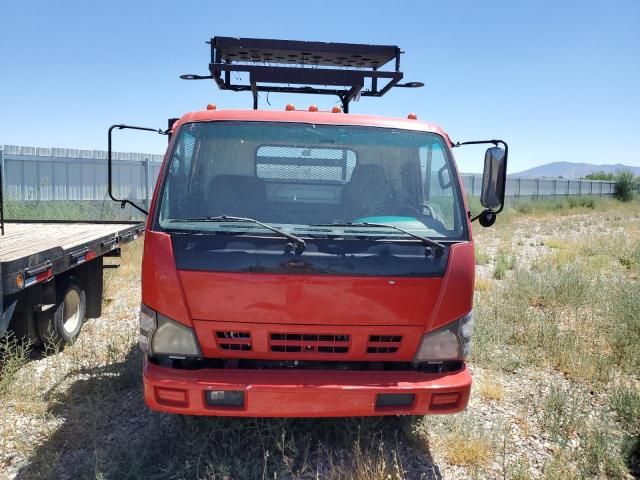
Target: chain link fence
(542,187)
(63,174)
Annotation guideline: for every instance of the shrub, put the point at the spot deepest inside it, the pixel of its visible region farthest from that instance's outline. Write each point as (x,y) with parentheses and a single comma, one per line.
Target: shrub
(600,176)
(624,310)
(482,257)
(503,263)
(561,413)
(601,454)
(582,201)
(625,186)
(625,401)
(14,353)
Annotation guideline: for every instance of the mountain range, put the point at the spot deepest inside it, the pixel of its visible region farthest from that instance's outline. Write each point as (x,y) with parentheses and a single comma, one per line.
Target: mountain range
(573,170)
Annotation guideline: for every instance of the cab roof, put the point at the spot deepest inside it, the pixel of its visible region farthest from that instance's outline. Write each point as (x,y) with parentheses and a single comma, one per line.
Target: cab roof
(304,116)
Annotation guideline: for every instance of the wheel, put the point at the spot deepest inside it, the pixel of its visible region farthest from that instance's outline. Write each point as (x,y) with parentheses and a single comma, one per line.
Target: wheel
(62,324)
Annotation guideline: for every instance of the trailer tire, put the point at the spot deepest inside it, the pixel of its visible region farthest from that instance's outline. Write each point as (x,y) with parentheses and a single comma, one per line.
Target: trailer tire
(63,323)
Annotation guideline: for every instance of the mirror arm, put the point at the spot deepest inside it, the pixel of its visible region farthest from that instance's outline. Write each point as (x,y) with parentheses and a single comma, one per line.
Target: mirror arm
(504,180)
(487,210)
(123,201)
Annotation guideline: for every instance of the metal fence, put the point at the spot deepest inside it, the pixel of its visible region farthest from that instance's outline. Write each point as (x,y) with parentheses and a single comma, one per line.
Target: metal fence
(541,187)
(45,174)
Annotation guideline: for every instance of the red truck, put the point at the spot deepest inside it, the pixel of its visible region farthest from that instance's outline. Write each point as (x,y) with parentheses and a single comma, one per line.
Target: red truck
(306,263)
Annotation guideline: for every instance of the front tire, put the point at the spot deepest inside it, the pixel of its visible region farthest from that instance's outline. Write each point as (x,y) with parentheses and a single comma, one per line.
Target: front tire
(63,323)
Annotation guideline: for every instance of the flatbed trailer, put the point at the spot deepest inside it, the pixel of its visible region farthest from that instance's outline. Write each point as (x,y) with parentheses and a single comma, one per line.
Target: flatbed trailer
(52,274)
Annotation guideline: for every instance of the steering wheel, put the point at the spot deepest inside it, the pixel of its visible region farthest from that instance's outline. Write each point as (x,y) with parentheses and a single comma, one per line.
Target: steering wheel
(429,209)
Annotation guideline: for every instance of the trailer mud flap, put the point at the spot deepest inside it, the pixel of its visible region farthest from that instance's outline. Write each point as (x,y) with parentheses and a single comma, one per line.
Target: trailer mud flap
(6,318)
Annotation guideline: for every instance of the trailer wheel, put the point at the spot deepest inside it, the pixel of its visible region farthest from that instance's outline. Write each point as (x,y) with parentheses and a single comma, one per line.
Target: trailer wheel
(63,324)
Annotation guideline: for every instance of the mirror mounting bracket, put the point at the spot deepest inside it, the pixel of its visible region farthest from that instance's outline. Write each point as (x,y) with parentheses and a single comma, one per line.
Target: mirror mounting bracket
(123,201)
(488,216)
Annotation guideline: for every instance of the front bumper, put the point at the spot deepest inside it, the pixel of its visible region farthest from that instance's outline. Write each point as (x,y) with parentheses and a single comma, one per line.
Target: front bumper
(304,393)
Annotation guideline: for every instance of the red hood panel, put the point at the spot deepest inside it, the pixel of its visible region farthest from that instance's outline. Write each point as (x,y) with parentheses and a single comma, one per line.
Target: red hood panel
(311,300)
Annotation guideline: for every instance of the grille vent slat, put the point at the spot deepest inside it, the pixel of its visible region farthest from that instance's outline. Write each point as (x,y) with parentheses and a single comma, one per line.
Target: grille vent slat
(309,343)
(384,343)
(234,341)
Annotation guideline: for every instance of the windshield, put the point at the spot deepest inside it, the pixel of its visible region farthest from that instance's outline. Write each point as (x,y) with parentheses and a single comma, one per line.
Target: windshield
(310,180)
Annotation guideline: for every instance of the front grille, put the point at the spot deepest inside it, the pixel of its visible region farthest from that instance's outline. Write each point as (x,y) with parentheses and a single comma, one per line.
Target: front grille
(309,343)
(384,343)
(238,341)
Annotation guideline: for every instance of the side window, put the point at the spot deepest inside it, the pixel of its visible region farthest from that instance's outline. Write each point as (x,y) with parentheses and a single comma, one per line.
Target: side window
(179,174)
(437,183)
(183,155)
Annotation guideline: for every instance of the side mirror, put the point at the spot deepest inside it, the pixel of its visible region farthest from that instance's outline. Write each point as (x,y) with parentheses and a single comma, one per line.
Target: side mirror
(493,178)
(123,201)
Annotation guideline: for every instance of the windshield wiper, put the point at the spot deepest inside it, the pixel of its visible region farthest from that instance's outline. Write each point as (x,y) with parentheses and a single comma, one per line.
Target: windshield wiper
(425,240)
(299,242)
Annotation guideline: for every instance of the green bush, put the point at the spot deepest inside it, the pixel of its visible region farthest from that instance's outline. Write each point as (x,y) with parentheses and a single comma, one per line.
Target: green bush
(503,263)
(625,401)
(561,414)
(581,201)
(607,176)
(601,454)
(626,184)
(624,311)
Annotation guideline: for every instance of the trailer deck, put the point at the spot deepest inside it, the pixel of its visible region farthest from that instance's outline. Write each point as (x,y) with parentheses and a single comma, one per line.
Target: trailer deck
(25,239)
(29,250)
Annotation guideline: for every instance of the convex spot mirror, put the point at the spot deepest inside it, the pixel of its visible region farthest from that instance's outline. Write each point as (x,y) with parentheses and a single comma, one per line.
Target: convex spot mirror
(492,195)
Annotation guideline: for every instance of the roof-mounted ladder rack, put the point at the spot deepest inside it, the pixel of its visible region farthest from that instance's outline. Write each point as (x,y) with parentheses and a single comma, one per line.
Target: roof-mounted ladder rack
(347,70)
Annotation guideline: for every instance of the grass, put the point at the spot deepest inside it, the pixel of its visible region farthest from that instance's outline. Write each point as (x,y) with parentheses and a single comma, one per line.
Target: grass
(462,439)
(466,450)
(625,401)
(491,388)
(483,284)
(555,204)
(600,454)
(504,262)
(568,323)
(561,414)
(575,311)
(482,257)
(564,317)
(14,354)
(68,210)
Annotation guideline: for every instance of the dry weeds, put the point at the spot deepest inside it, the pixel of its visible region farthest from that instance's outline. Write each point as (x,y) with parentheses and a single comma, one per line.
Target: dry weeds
(556,392)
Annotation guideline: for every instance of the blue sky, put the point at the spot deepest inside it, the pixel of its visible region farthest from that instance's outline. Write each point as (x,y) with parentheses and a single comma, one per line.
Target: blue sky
(559,80)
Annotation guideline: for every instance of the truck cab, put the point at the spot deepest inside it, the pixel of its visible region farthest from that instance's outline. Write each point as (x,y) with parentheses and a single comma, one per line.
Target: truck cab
(302,263)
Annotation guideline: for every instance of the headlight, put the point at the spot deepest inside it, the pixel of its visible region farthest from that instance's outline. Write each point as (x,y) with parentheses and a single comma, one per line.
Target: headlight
(451,342)
(159,335)
(148,325)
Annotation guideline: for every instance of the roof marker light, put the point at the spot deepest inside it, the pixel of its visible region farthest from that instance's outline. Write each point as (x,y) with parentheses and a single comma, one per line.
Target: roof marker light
(336,109)
(412,116)
(313,108)
(290,107)
(211,106)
